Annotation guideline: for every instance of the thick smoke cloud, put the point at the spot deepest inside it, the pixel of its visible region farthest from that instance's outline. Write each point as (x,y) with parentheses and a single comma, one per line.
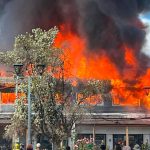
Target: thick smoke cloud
(112,25)
(107,26)
(19,16)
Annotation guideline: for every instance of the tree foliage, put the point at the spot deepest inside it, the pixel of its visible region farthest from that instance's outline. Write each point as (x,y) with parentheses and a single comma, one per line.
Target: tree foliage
(56,103)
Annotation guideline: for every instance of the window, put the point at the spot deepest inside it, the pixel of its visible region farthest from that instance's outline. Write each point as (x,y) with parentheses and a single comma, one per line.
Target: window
(7,98)
(133,139)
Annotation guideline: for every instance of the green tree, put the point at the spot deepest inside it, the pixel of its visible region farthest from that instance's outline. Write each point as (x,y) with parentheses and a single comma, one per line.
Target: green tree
(56,103)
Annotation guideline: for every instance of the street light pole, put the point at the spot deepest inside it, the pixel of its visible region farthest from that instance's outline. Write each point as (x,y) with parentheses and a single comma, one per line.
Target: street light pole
(29,110)
(16,91)
(29,105)
(18,70)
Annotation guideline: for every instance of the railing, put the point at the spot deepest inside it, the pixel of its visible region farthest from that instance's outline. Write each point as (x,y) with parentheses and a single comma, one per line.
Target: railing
(9,108)
(4,80)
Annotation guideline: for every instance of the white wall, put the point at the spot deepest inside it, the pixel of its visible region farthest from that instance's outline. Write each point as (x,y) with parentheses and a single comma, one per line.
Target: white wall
(146,138)
(109,141)
(113,129)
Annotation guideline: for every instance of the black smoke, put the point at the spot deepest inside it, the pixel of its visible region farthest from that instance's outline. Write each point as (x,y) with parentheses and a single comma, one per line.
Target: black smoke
(107,25)
(20,16)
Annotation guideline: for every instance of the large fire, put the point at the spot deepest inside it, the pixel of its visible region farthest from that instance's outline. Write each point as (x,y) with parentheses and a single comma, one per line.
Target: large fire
(87,65)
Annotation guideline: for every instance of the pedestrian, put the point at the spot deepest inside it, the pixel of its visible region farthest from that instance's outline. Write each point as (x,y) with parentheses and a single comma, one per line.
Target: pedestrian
(103,146)
(21,146)
(38,145)
(68,148)
(126,147)
(118,146)
(29,147)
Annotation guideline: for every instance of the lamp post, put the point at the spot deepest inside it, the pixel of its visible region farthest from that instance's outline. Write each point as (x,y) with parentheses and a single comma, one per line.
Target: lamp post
(18,71)
(29,110)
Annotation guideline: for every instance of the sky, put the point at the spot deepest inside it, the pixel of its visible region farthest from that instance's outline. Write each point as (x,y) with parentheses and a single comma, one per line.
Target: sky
(146,19)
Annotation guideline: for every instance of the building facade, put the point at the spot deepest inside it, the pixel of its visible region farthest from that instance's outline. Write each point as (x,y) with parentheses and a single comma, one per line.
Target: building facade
(107,122)
(113,124)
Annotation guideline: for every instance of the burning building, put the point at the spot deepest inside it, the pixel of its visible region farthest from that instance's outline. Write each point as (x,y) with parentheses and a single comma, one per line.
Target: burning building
(102,41)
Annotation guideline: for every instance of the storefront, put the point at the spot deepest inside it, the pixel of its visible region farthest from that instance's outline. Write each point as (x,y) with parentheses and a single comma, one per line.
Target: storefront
(133,139)
(112,127)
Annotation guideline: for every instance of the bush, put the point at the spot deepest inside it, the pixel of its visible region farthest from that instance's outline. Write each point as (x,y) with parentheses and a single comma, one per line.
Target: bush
(83,144)
(145,146)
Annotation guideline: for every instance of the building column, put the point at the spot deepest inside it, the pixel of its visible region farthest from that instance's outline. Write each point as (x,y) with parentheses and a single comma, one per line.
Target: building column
(146,138)
(109,141)
(127,136)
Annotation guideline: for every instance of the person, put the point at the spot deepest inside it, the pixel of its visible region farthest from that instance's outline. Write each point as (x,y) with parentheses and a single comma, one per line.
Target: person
(126,147)
(103,146)
(21,146)
(29,147)
(118,146)
(16,146)
(68,148)
(38,145)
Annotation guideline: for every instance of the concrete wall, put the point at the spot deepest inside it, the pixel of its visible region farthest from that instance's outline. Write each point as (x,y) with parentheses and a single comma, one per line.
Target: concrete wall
(118,129)
(7,108)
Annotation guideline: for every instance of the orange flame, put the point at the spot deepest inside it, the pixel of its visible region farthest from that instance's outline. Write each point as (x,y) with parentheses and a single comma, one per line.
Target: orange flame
(85,65)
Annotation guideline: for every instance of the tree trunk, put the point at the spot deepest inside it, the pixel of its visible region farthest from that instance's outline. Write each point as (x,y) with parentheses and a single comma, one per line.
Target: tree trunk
(56,145)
